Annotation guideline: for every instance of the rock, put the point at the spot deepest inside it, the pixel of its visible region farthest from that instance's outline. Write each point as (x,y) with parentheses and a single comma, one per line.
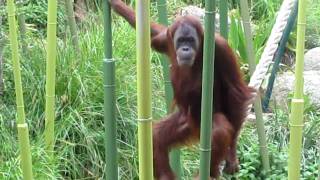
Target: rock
(284,84)
(312,60)
(312,38)
(192,10)
(251,118)
(199,12)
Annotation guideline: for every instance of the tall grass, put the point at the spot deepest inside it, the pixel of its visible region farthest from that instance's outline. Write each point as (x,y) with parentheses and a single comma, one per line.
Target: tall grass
(79,112)
(79,127)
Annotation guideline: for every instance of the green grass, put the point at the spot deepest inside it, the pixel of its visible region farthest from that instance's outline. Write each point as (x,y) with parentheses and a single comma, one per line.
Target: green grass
(313,25)
(79,114)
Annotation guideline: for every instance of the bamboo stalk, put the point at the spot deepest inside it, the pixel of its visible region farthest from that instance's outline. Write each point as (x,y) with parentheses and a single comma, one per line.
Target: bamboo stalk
(207,89)
(72,25)
(297,106)
(1,69)
(50,75)
(163,19)
(224,18)
(175,161)
(109,98)
(1,54)
(23,135)
(279,54)
(257,104)
(144,90)
(25,154)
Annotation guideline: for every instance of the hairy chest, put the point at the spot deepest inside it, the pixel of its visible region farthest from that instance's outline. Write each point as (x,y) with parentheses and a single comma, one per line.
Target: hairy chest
(187,88)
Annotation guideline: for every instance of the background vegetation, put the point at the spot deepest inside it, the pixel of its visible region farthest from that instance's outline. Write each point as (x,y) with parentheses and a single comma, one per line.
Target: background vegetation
(79,100)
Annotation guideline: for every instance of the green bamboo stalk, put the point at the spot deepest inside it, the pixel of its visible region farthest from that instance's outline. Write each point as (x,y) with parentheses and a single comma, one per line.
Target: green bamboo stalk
(109,98)
(224,18)
(257,104)
(144,90)
(207,89)
(1,55)
(297,105)
(175,161)
(72,25)
(163,19)
(1,68)
(51,75)
(23,132)
(25,153)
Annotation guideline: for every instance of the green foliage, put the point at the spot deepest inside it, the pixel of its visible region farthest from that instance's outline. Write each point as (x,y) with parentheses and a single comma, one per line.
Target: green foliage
(236,36)
(79,89)
(261,22)
(263,9)
(36,12)
(79,108)
(313,25)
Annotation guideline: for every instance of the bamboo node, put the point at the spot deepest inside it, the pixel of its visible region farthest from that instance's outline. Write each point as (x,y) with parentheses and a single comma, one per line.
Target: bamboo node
(22,126)
(296,125)
(210,12)
(11,15)
(204,149)
(109,60)
(50,96)
(20,106)
(144,120)
(52,23)
(301,23)
(296,100)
